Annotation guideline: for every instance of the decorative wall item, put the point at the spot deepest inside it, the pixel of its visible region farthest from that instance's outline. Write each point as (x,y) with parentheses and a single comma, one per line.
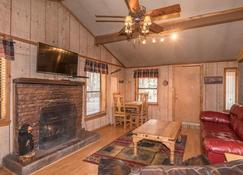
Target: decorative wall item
(7,49)
(25,140)
(165,82)
(213,80)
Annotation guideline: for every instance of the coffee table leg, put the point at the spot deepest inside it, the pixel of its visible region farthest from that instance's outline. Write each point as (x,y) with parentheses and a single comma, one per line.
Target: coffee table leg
(135,143)
(172,153)
(171,146)
(135,148)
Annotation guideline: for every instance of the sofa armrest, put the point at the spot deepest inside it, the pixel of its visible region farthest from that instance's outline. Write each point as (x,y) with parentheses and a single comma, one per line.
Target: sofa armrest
(217,117)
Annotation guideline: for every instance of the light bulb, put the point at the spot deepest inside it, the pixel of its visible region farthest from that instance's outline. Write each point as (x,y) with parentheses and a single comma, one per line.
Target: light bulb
(144,41)
(162,40)
(174,36)
(153,40)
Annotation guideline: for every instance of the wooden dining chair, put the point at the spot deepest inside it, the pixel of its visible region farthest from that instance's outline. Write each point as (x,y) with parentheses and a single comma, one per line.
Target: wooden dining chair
(135,115)
(119,113)
(143,97)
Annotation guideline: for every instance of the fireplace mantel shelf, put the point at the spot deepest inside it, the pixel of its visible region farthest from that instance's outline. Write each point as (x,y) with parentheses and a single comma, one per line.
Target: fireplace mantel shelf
(47,81)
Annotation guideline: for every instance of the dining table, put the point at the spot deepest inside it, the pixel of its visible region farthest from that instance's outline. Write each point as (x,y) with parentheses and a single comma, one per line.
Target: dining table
(134,108)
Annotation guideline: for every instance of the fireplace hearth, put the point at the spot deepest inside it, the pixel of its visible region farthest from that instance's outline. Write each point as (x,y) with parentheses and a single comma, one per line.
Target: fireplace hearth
(53,108)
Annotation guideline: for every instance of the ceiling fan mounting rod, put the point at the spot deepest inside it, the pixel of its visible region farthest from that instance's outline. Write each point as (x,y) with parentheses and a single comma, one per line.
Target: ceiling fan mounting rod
(139,15)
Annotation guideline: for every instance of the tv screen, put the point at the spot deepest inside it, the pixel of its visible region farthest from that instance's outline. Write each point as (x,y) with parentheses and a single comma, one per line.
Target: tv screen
(55,60)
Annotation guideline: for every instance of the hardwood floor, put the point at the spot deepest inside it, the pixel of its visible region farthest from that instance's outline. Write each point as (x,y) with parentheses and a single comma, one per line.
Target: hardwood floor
(74,164)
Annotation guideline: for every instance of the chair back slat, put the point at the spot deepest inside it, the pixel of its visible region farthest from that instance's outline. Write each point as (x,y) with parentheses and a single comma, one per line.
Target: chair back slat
(143,97)
(119,105)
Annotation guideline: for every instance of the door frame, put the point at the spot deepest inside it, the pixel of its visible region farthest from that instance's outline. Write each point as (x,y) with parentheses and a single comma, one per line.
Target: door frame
(173,87)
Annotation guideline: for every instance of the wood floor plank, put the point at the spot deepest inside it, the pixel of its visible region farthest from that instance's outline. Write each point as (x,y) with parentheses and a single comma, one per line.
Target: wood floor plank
(74,164)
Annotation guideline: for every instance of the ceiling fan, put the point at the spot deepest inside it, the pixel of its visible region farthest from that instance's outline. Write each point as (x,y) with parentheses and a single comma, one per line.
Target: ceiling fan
(140,21)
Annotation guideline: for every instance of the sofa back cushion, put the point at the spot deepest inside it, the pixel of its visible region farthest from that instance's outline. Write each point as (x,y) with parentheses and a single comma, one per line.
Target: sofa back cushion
(237,110)
(216,117)
(236,119)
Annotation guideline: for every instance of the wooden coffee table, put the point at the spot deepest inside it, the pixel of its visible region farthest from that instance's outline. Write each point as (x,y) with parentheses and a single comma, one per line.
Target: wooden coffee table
(165,132)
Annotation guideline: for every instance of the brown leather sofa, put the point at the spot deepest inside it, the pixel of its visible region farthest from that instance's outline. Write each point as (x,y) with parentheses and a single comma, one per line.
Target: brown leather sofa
(221,133)
(118,167)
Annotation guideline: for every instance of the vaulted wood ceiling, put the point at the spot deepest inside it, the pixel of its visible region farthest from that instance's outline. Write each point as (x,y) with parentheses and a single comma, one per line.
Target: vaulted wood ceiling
(212,43)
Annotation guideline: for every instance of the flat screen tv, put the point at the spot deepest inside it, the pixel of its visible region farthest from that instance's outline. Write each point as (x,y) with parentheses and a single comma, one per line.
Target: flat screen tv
(55,60)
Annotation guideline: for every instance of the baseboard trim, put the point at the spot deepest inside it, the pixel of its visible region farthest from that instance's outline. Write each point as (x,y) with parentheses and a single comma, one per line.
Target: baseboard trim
(191,125)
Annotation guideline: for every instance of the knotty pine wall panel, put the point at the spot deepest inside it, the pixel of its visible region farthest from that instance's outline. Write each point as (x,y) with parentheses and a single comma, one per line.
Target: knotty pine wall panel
(38,20)
(74,35)
(212,94)
(21,18)
(5,6)
(51,31)
(210,69)
(63,27)
(83,40)
(49,22)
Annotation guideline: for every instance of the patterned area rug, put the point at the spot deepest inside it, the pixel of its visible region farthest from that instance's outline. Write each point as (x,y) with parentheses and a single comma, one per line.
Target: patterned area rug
(149,152)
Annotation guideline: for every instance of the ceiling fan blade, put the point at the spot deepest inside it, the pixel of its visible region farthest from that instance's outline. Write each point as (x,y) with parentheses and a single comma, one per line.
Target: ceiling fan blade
(120,21)
(133,5)
(122,31)
(165,12)
(56,0)
(109,16)
(198,21)
(155,28)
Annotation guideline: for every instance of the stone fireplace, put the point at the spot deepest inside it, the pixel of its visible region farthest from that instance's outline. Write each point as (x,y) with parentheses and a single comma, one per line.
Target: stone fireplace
(53,108)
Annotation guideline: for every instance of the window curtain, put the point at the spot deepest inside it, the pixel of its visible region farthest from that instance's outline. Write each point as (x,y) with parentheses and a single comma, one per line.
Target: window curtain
(146,73)
(93,66)
(7,49)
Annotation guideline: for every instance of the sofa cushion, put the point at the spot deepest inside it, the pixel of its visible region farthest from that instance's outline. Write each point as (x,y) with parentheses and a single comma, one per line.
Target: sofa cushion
(237,110)
(220,135)
(236,119)
(224,131)
(217,117)
(239,129)
(234,122)
(220,145)
(230,168)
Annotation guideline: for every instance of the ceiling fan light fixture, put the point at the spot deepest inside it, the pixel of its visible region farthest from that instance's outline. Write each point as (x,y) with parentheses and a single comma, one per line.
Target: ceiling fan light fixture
(144,41)
(128,24)
(145,29)
(162,40)
(147,21)
(128,21)
(174,36)
(153,40)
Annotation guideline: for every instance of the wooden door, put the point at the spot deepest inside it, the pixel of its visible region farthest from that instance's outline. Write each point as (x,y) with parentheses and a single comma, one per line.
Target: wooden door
(187,93)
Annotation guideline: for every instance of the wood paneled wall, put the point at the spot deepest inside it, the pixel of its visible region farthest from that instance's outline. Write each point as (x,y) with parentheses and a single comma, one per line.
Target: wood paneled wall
(49,22)
(212,94)
(241,82)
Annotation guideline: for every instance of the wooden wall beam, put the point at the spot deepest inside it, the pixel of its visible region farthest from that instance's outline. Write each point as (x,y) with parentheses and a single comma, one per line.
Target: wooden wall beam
(208,19)
(240,56)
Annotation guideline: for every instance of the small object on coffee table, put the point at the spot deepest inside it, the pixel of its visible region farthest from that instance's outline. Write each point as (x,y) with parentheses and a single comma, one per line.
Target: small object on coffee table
(165,132)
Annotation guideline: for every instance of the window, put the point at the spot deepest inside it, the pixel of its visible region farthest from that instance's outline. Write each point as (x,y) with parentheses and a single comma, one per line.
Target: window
(95,93)
(149,85)
(4,92)
(230,87)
